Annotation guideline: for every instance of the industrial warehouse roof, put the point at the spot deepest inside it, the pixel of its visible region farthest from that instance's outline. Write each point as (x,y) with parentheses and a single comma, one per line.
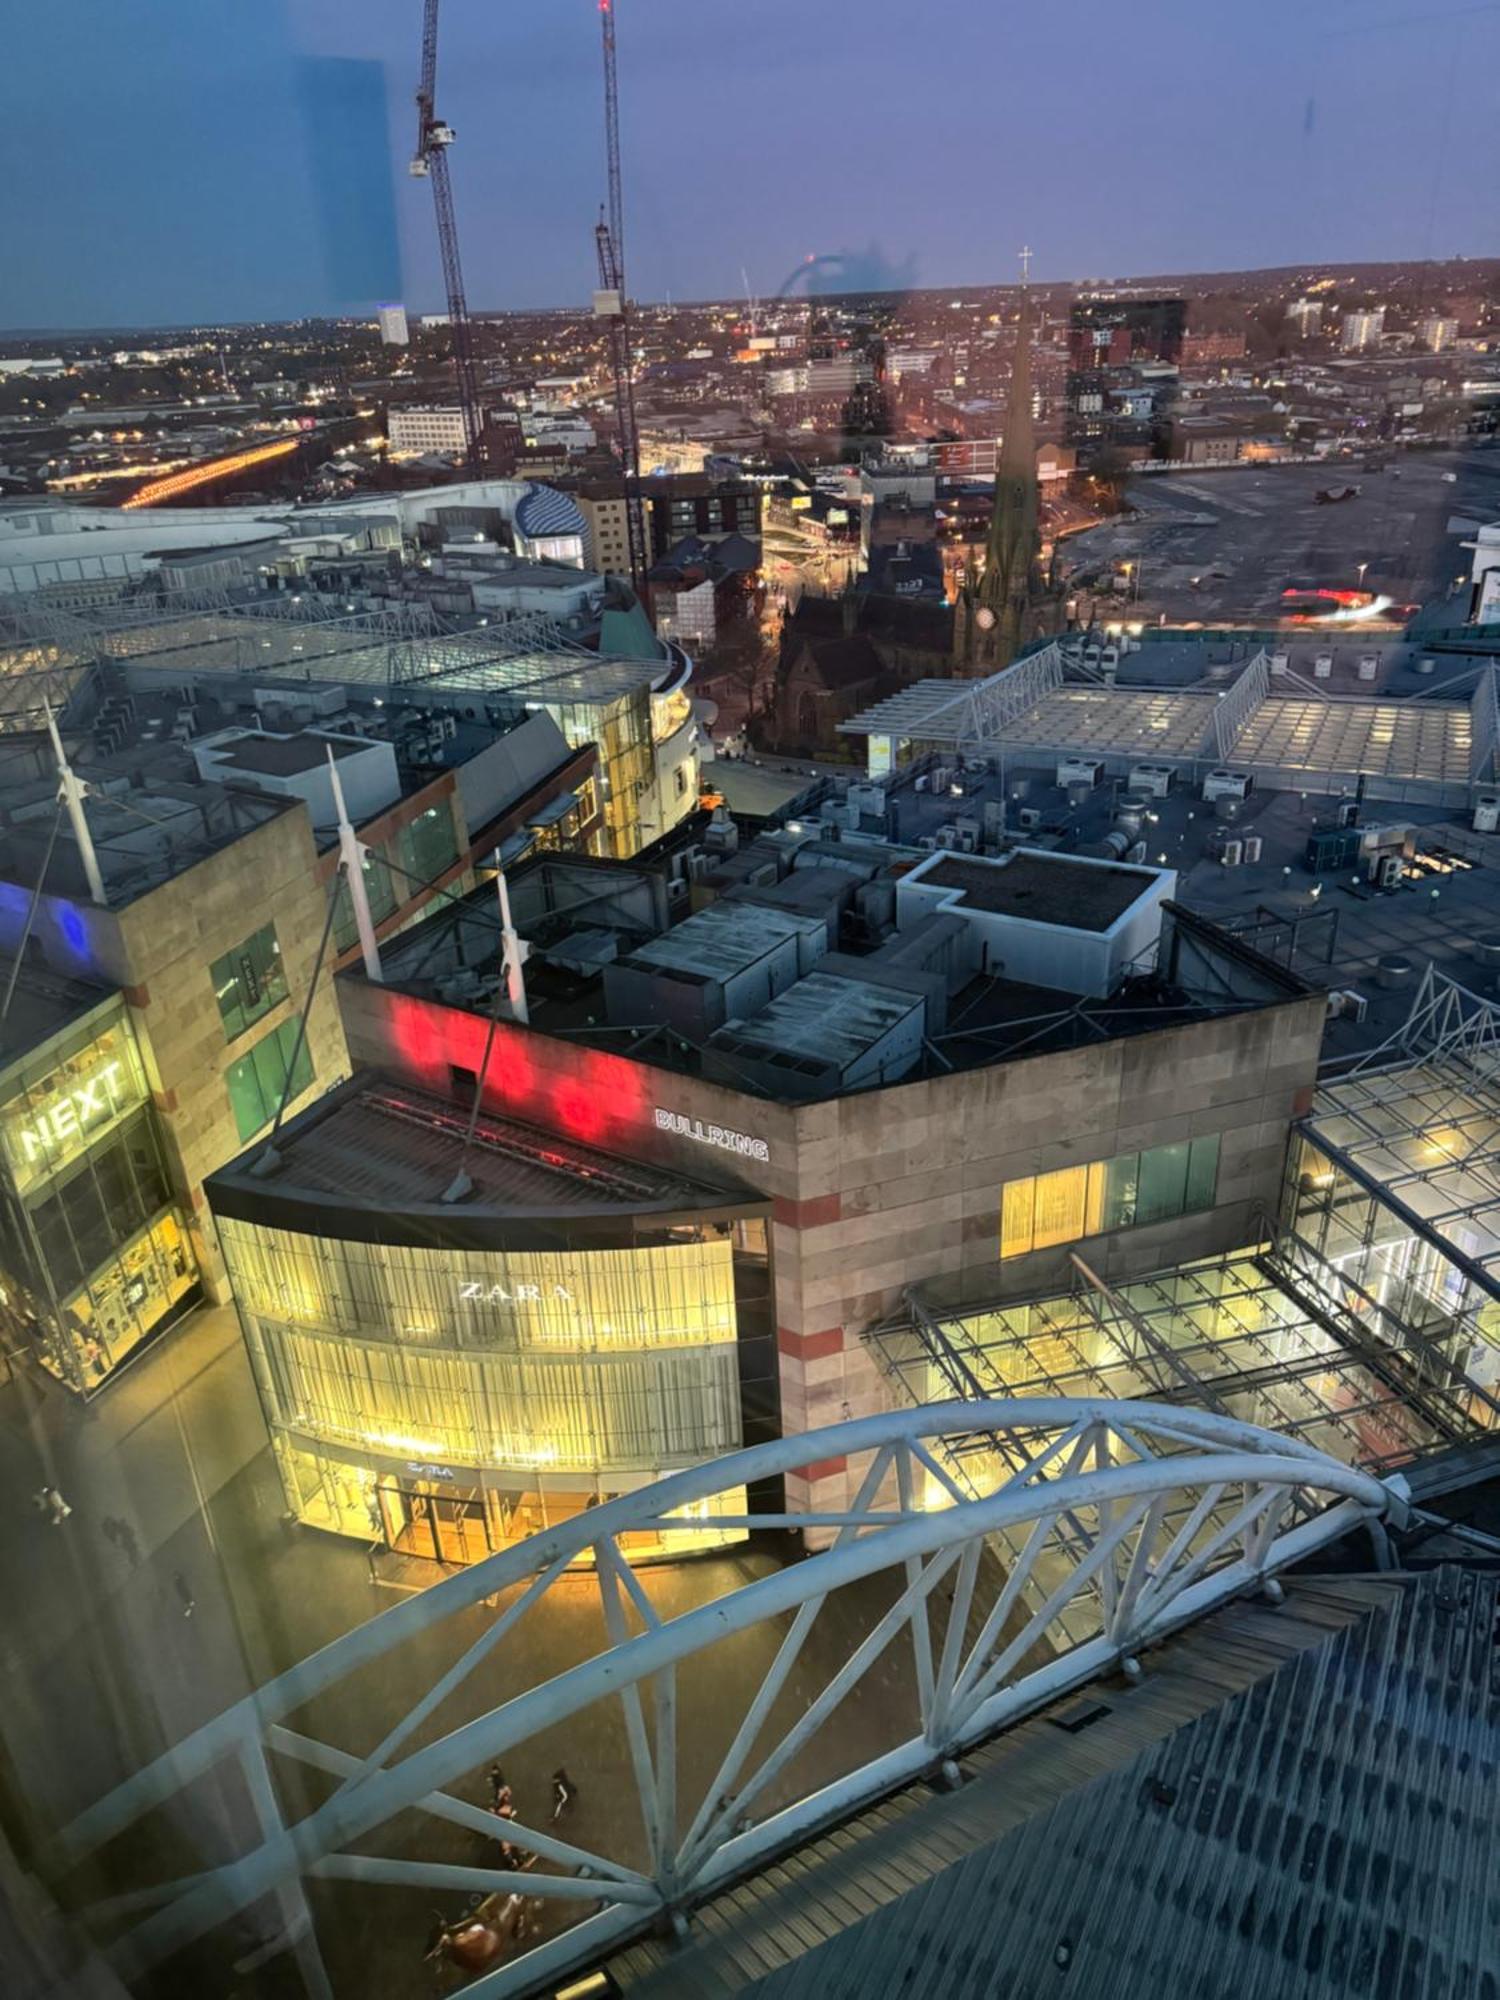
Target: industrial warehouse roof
(385,1149)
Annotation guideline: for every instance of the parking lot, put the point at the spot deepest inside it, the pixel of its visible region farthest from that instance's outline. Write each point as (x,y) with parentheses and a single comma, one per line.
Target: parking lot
(1221,546)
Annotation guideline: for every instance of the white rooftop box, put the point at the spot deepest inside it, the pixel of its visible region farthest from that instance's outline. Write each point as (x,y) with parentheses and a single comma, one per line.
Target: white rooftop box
(1228,785)
(1155,780)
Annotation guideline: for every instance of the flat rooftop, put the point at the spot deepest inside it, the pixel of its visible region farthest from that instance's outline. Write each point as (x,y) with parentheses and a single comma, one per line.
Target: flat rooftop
(42,1004)
(1048,888)
(823,1019)
(384,1147)
(723,939)
(283,756)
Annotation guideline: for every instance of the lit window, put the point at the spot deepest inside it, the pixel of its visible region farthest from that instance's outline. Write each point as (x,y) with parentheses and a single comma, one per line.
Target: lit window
(1132,1189)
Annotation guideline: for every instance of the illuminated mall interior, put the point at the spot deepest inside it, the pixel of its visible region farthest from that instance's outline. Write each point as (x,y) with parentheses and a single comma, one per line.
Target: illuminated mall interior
(446,1377)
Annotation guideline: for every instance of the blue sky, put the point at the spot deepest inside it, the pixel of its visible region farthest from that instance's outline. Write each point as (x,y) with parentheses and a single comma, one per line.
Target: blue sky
(171,160)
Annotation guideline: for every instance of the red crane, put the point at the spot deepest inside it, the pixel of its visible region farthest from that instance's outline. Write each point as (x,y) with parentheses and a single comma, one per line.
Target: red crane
(613,307)
(430,162)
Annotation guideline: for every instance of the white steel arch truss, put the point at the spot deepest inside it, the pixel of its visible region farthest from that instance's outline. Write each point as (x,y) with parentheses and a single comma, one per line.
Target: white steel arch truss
(1153,1515)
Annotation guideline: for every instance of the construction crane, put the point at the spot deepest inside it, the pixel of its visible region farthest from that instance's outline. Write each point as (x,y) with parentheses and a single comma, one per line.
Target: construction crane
(430,162)
(613,307)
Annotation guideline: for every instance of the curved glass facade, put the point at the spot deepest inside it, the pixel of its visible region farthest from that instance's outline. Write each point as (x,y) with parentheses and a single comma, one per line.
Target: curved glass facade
(446,1400)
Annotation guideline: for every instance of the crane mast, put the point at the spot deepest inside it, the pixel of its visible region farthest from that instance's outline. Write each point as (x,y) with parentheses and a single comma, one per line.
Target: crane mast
(612,306)
(430,162)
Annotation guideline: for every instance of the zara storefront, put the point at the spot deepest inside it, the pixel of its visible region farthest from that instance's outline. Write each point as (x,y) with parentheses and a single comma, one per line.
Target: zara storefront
(446,1377)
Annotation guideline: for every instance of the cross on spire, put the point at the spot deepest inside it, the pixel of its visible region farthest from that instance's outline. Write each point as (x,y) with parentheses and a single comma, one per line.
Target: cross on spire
(1026,253)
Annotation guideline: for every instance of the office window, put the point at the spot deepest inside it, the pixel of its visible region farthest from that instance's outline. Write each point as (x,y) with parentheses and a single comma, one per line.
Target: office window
(249,981)
(256,1081)
(1130,1190)
(426,848)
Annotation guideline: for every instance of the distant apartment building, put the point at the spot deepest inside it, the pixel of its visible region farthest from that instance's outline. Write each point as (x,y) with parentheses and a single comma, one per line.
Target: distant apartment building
(427,427)
(1362,330)
(1204,349)
(1123,351)
(1436,334)
(394,331)
(692,504)
(1306,315)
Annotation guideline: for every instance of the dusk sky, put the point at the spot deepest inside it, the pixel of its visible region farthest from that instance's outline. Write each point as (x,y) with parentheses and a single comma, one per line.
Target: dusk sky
(173,160)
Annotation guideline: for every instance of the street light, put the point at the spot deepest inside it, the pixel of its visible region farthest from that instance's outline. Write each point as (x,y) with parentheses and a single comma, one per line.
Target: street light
(1362,568)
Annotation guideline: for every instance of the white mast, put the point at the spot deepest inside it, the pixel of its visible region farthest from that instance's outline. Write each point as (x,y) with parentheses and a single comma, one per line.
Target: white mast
(352,855)
(72,791)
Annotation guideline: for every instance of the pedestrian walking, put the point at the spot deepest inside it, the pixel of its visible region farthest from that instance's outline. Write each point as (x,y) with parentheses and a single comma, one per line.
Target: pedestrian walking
(497,1784)
(564,1792)
(129,1543)
(184,1594)
(54,1505)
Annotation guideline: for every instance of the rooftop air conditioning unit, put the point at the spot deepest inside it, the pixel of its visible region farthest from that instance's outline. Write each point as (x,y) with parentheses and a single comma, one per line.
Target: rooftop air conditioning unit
(968,843)
(927,841)
(1228,785)
(1155,780)
(1369,666)
(1487,814)
(1253,844)
(1323,667)
(947,836)
(1232,853)
(1280,662)
(1031,818)
(1345,1004)
(1392,868)
(923,783)
(1079,771)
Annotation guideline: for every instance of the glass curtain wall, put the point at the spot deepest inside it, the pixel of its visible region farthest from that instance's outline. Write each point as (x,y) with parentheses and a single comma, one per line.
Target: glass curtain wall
(1391,1264)
(96,1251)
(550,1378)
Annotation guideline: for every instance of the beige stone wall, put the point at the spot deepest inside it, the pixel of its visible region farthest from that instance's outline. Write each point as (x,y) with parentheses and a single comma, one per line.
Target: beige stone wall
(161,947)
(901,1187)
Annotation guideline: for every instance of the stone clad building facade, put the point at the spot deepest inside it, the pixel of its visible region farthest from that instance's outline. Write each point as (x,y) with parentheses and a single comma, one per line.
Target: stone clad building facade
(924,1183)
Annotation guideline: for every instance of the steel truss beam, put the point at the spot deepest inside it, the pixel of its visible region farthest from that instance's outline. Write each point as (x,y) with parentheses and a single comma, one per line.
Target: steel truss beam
(1149,1515)
(1235,707)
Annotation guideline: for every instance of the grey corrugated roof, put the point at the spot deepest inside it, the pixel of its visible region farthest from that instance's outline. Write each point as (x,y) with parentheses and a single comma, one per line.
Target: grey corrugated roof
(1329,1832)
(383,1146)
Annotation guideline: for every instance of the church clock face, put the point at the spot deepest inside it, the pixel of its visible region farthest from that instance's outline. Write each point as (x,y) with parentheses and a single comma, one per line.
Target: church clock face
(984,618)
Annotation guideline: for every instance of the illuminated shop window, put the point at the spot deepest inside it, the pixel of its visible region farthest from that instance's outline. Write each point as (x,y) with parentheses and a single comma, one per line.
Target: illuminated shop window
(85,1087)
(1130,1190)
(257,1080)
(249,981)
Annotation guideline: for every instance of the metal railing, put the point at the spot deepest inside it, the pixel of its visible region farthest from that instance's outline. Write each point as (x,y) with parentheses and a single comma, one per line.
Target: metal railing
(1181,1510)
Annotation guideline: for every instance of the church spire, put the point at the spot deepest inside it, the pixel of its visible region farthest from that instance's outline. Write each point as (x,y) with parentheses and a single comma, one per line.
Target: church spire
(998,620)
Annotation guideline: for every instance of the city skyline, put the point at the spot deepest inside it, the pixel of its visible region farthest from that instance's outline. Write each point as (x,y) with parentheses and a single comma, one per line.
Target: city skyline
(298,130)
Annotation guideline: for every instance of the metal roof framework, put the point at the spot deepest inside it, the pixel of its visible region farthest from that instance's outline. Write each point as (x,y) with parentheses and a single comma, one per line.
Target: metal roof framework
(1411,747)
(1419,1118)
(966,714)
(1179,1510)
(310,637)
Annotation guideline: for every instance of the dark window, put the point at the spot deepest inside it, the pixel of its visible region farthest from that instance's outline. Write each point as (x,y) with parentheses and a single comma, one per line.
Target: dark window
(249,981)
(257,1080)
